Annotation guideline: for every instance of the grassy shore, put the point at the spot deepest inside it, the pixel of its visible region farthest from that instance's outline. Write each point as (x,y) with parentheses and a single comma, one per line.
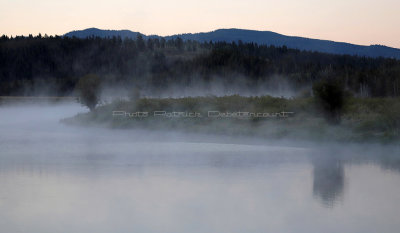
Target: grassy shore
(363,119)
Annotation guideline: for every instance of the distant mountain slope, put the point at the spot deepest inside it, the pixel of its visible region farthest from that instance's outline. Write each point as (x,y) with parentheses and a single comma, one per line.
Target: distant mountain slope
(102,33)
(262,37)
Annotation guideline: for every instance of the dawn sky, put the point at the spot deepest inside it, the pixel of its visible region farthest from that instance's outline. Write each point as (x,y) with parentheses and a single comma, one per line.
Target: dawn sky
(355,21)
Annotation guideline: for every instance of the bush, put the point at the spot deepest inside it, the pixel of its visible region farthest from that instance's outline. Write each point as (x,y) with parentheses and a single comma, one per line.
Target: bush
(89,90)
(330,96)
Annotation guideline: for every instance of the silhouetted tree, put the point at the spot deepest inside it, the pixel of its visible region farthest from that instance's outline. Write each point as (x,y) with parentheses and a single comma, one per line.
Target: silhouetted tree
(330,97)
(141,45)
(179,43)
(89,90)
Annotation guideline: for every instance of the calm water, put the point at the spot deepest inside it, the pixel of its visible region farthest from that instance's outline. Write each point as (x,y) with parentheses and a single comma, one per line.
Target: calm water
(56,178)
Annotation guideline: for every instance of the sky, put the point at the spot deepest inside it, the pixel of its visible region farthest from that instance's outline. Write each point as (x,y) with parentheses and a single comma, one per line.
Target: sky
(362,22)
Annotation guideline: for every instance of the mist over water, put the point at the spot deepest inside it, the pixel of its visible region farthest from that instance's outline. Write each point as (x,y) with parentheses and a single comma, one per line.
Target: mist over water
(58,178)
(276,86)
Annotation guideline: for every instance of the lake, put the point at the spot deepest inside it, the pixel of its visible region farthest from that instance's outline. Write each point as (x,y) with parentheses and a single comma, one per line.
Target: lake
(59,178)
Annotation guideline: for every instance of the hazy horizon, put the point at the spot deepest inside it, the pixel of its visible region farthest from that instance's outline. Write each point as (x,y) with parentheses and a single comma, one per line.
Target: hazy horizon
(355,21)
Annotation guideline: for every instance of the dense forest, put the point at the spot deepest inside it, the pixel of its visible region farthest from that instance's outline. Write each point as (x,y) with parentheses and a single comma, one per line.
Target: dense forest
(47,65)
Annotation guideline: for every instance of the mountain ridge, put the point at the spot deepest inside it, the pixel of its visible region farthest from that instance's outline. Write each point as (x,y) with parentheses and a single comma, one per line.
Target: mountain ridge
(259,37)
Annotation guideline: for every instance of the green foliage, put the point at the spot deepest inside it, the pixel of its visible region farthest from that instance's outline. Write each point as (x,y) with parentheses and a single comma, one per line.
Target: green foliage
(391,118)
(89,90)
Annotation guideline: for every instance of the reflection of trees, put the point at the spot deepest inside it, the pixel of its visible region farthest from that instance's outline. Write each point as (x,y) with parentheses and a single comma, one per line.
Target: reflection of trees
(328,179)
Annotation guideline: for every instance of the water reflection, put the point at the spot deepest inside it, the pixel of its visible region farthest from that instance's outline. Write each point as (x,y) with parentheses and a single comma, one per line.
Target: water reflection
(329,179)
(59,179)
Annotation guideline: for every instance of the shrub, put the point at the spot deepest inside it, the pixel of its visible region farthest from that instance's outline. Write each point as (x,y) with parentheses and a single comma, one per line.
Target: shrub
(330,96)
(89,90)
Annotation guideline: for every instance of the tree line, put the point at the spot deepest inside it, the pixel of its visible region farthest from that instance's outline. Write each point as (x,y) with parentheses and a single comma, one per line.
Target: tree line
(53,65)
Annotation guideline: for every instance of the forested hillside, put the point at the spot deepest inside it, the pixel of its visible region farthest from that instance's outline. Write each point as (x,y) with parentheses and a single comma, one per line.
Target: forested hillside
(45,65)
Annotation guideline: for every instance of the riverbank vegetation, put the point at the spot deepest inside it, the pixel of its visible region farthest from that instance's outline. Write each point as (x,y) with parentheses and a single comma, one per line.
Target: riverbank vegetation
(362,120)
(332,97)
